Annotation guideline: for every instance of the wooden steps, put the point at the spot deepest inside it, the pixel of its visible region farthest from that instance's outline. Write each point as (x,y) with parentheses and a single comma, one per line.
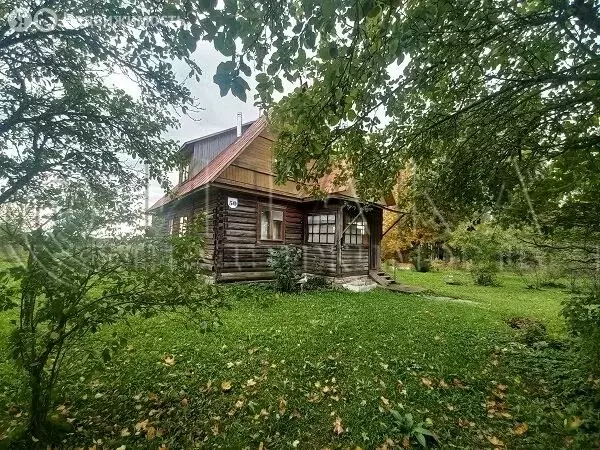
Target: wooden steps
(386,282)
(381,278)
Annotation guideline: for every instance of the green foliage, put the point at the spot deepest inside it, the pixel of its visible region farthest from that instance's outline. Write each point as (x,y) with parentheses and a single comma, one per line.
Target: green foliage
(316,283)
(286,261)
(405,426)
(582,312)
(419,262)
(484,245)
(80,276)
(531,331)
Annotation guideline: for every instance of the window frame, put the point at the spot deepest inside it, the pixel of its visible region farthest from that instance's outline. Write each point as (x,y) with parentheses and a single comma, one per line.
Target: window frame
(262,207)
(185,169)
(327,224)
(348,226)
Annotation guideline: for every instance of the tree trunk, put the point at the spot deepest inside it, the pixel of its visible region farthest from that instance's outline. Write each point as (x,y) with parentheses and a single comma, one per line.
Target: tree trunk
(38,410)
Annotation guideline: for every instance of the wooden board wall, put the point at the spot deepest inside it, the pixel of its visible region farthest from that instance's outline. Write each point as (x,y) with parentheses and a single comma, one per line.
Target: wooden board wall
(253,169)
(244,255)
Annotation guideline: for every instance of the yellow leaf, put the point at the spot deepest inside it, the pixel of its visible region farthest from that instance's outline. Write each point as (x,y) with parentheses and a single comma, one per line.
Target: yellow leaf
(426,382)
(443,384)
(520,428)
(125,432)
(225,386)
(169,360)
(140,426)
(282,405)
(150,433)
(337,426)
(495,441)
(574,423)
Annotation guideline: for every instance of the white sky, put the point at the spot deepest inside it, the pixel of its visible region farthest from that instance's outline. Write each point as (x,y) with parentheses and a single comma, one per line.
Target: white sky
(218,112)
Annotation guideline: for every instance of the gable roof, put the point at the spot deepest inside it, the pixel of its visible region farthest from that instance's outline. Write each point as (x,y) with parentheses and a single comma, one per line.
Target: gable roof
(218,164)
(215,167)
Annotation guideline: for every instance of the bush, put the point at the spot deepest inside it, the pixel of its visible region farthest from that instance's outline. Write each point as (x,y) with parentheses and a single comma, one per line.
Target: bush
(484,274)
(317,283)
(285,262)
(420,263)
(531,331)
(582,313)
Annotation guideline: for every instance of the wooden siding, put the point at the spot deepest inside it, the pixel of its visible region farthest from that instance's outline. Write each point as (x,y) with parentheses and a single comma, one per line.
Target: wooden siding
(253,169)
(204,150)
(244,254)
(234,251)
(204,201)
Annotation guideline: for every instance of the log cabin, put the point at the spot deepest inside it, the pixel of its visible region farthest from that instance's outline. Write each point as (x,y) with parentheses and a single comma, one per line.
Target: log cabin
(229,176)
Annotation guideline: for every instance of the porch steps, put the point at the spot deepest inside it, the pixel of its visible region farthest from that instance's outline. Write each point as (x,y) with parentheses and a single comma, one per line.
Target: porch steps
(386,282)
(381,278)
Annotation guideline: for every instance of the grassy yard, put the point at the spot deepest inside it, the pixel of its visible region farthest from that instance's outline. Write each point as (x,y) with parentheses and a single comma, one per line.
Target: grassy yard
(322,370)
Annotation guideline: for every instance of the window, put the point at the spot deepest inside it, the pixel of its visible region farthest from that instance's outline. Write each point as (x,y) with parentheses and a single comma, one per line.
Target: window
(356,232)
(183,220)
(184,171)
(171,222)
(271,224)
(321,229)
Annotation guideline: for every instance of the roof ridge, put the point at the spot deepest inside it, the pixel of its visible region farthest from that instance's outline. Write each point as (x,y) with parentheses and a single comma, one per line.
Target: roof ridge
(217,165)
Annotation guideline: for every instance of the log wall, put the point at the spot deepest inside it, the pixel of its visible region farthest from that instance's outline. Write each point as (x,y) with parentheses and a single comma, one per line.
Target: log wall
(244,254)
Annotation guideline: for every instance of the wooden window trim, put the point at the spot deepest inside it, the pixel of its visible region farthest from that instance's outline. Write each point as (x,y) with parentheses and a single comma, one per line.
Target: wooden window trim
(347,226)
(307,232)
(267,207)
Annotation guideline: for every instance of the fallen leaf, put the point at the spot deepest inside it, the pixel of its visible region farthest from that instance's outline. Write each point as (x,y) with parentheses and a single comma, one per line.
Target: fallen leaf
(520,428)
(140,426)
(282,405)
(443,384)
(426,382)
(239,404)
(251,382)
(385,401)
(184,402)
(495,441)
(457,383)
(337,426)
(150,433)
(125,432)
(574,423)
(169,360)
(225,386)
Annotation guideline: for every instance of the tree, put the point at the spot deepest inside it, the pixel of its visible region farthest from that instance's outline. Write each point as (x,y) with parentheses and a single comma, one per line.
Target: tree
(61,117)
(494,103)
(82,273)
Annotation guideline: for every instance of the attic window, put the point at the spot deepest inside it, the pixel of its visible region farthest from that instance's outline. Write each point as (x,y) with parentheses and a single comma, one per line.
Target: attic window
(184,171)
(271,224)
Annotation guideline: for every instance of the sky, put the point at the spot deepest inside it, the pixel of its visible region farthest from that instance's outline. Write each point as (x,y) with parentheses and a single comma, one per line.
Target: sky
(218,112)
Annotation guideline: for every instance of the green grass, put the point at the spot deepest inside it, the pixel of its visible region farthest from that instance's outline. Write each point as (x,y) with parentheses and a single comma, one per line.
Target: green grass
(298,364)
(511,298)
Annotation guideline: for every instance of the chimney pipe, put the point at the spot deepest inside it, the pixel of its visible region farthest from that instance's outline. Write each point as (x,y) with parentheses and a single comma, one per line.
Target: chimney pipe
(239,124)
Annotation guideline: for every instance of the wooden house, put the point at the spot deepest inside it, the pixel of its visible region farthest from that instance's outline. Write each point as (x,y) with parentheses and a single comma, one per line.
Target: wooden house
(229,175)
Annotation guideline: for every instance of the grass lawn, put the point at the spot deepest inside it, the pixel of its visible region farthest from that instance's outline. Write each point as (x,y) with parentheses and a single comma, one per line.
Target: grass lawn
(283,374)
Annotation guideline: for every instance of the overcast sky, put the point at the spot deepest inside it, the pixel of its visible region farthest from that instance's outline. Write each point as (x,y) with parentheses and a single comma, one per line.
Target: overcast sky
(218,112)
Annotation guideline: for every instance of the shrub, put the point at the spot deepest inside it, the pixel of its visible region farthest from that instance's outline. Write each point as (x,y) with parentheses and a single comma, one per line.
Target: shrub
(484,274)
(420,263)
(317,283)
(582,313)
(531,331)
(285,262)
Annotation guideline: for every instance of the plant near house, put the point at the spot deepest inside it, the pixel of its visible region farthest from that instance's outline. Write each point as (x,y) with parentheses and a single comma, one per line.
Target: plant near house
(405,426)
(285,262)
(582,312)
(82,274)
